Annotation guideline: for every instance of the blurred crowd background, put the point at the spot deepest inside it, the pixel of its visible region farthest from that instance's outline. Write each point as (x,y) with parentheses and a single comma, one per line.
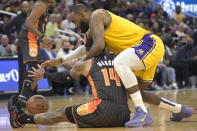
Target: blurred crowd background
(177,69)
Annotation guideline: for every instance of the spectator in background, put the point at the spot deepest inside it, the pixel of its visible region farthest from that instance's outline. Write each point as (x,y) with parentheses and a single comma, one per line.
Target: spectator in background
(59,21)
(66,48)
(94,4)
(55,10)
(6,19)
(185,62)
(18,20)
(123,9)
(68,24)
(65,12)
(180,31)
(61,6)
(51,26)
(5,48)
(12,8)
(144,10)
(139,22)
(178,15)
(182,42)
(156,28)
(130,17)
(133,10)
(1,6)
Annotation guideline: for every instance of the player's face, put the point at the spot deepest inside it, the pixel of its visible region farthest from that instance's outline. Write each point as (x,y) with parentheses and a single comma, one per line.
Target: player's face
(80,22)
(25,7)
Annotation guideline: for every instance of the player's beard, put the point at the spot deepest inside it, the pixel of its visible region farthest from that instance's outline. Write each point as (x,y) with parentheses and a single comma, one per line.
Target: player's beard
(84,26)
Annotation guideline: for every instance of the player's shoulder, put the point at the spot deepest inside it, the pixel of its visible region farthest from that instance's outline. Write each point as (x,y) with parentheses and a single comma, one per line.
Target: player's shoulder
(99,13)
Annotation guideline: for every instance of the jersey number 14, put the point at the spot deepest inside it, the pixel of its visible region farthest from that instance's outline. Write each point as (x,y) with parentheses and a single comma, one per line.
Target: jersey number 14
(110,74)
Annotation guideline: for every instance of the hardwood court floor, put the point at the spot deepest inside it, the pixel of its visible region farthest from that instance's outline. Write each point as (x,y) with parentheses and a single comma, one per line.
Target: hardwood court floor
(160,116)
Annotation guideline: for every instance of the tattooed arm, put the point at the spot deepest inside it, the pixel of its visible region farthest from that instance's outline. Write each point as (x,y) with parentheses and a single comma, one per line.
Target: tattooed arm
(81,68)
(98,20)
(50,118)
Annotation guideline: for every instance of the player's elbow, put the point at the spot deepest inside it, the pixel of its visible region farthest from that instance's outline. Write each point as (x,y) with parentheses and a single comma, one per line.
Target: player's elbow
(100,49)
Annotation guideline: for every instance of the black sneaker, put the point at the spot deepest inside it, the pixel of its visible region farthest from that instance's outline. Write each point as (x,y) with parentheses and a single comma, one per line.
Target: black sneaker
(22,100)
(15,112)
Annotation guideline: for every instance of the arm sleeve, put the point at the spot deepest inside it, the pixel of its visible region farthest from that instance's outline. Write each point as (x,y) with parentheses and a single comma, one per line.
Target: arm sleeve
(79,52)
(59,77)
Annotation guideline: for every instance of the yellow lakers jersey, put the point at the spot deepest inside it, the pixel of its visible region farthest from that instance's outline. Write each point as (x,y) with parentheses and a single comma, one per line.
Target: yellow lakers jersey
(122,34)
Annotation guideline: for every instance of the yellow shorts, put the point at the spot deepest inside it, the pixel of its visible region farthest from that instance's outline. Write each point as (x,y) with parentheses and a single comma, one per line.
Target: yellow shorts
(150,51)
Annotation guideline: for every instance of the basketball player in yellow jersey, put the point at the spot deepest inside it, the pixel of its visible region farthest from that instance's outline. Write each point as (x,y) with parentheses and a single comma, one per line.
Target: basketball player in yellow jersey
(139,53)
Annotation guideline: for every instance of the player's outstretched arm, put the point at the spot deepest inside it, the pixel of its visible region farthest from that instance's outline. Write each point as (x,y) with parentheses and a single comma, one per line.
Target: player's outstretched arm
(77,53)
(50,118)
(97,27)
(60,77)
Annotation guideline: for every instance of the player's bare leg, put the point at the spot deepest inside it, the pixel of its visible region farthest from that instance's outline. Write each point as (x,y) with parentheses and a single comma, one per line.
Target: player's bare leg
(124,63)
(50,118)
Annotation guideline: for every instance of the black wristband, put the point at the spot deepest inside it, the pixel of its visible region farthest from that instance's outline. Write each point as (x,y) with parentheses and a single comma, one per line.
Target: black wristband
(59,77)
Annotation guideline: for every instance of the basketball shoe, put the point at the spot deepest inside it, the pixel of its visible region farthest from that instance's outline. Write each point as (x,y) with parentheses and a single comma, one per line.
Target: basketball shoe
(139,119)
(15,112)
(185,113)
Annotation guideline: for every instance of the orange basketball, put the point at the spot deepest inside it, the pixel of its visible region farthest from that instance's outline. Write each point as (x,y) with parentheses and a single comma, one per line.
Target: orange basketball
(37,104)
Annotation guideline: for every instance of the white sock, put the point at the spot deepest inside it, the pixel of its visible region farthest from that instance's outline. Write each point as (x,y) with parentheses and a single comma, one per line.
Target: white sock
(137,100)
(166,104)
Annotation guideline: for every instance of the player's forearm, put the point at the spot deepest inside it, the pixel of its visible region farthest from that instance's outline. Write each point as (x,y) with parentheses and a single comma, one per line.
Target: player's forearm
(94,51)
(59,77)
(77,53)
(31,26)
(50,118)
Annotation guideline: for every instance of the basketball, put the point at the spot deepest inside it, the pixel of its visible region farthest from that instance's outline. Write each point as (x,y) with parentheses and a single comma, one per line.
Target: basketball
(37,104)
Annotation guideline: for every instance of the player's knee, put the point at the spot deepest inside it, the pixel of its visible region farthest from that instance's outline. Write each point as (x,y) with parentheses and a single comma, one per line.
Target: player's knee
(27,83)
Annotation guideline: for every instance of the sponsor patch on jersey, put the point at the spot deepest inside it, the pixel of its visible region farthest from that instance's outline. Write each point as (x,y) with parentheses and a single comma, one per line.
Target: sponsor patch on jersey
(82,110)
(33,52)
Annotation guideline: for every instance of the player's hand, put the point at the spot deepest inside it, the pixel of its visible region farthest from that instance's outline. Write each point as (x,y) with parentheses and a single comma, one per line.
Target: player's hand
(37,73)
(52,62)
(84,40)
(46,43)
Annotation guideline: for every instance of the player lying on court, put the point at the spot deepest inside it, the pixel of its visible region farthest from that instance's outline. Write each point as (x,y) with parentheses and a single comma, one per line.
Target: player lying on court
(109,107)
(139,53)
